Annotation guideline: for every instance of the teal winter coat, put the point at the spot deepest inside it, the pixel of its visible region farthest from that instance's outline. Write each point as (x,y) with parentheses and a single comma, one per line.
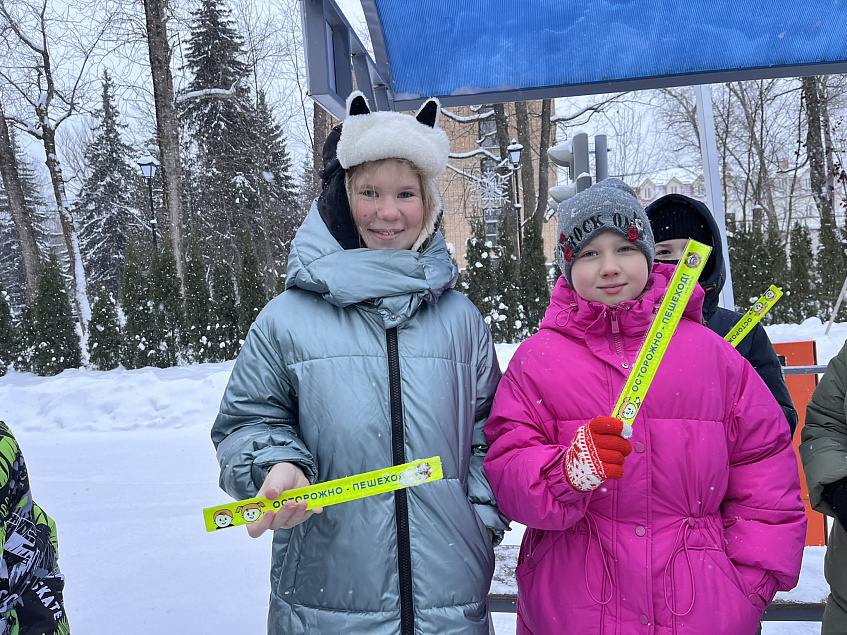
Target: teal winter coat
(369,359)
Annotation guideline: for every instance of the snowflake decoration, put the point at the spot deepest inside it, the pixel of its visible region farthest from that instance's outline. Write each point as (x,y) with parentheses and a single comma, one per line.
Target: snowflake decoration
(491,190)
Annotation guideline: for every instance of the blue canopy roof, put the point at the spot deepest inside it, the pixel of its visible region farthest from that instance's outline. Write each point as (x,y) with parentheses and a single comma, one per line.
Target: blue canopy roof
(484,51)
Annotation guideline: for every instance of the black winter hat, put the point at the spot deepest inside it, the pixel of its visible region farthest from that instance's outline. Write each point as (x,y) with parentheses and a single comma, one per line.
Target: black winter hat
(673,220)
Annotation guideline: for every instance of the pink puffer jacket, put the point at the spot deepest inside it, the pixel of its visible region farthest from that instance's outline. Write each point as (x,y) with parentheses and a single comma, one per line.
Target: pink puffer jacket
(706,524)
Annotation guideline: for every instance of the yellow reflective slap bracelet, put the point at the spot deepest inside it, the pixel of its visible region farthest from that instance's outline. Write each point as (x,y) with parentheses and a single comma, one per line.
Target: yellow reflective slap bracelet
(755,313)
(664,324)
(329,493)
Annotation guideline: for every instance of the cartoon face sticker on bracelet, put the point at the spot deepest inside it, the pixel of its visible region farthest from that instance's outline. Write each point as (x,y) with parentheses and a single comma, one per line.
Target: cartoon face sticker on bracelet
(251,512)
(223,518)
(629,408)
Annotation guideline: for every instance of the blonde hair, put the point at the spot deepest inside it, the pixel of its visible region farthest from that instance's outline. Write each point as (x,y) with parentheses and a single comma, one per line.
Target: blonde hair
(430,196)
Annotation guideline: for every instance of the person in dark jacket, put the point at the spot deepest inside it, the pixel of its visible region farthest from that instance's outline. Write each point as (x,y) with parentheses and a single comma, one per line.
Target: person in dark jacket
(675,218)
(824,454)
(31,584)
(370,359)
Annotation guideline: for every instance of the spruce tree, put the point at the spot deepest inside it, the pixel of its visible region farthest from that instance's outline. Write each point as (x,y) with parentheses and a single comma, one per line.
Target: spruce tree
(105,206)
(221,129)
(166,305)
(57,342)
(225,330)
(773,270)
(742,246)
(197,306)
(138,317)
(799,302)
(535,294)
(26,344)
(830,268)
(507,318)
(279,215)
(478,279)
(251,285)
(8,335)
(104,336)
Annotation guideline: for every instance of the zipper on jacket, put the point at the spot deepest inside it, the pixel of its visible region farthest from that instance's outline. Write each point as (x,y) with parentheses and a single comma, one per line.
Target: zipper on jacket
(401,506)
(616,333)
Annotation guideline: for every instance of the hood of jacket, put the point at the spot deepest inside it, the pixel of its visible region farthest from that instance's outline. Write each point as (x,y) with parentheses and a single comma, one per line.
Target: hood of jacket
(714,273)
(573,316)
(393,282)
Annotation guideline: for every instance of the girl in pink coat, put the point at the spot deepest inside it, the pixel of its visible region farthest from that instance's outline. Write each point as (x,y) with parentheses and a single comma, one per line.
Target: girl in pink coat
(688,521)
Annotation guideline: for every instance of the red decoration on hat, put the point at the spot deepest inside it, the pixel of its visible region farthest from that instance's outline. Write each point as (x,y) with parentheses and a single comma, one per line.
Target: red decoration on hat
(568,252)
(562,238)
(632,233)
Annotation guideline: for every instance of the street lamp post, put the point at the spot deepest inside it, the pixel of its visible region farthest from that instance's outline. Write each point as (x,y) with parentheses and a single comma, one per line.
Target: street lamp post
(515,156)
(148,165)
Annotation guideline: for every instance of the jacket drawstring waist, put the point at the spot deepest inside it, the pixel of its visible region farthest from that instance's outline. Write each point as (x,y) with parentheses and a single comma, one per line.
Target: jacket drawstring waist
(594,532)
(680,546)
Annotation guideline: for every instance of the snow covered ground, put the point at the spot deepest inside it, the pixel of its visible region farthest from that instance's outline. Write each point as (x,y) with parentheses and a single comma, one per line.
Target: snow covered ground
(122,460)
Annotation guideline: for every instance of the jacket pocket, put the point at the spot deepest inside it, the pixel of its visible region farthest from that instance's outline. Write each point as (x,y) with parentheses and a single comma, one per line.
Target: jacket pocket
(290,563)
(717,583)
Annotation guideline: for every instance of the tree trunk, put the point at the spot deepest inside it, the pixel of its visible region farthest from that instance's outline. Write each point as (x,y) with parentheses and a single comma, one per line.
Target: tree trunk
(321,127)
(501,123)
(80,296)
(527,170)
(18,209)
(829,150)
(815,149)
(167,124)
(543,162)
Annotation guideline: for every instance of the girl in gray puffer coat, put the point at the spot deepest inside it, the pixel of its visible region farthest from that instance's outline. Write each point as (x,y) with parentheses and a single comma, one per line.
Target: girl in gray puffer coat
(370,359)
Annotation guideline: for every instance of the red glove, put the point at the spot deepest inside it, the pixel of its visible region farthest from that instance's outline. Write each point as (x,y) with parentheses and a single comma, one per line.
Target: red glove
(597,452)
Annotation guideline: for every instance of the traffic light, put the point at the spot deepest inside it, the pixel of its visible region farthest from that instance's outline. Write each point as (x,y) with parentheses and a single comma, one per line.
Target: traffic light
(573,155)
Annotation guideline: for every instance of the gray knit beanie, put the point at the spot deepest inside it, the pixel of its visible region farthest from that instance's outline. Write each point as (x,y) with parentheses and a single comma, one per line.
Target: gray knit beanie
(607,205)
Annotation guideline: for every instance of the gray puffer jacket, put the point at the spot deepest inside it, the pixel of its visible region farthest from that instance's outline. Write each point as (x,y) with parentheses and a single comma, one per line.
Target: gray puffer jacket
(369,359)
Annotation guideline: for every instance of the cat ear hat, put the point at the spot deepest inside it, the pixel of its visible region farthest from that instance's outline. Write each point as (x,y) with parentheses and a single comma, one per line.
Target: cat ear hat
(372,136)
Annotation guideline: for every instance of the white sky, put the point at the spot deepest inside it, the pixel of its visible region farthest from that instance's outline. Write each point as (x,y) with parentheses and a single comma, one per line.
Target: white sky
(122,460)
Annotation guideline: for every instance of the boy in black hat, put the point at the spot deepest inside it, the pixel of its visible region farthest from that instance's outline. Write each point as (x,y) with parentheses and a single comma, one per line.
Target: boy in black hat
(674,219)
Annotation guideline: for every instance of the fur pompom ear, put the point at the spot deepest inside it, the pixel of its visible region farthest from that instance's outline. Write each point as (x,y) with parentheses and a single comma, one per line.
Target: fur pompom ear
(428,114)
(357,104)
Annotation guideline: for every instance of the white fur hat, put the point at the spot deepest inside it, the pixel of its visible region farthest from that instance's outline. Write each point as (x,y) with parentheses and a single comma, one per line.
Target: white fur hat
(372,136)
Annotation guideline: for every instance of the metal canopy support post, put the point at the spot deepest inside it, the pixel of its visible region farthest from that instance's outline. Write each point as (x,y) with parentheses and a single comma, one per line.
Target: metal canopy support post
(334,55)
(712,177)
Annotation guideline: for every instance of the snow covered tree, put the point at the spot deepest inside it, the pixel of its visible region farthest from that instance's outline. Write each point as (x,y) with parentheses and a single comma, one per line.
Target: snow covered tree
(278,217)
(478,279)
(104,335)
(224,334)
(26,344)
(8,336)
(534,292)
(57,342)
(138,318)
(105,208)
(220,117)
(507,317)
(830,267)
(166,306)
(197,302)
(800,301)
(251,285)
